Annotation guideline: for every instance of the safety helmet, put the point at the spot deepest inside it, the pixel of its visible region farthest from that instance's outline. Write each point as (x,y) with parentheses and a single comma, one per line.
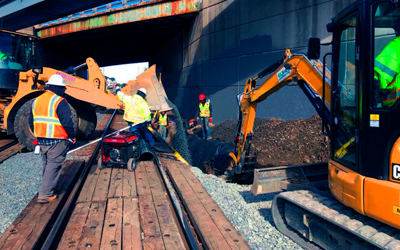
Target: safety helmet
(202,97)
(192,120)
(56,80)
(143,90)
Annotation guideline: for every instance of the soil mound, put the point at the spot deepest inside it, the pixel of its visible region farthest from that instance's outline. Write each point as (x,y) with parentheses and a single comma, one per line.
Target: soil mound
(280,142)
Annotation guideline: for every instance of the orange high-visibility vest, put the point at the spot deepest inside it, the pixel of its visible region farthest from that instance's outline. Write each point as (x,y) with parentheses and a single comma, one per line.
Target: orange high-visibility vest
(45,119)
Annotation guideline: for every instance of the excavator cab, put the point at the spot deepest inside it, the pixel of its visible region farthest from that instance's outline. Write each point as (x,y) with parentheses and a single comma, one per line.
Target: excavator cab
(364,166)
(365,111)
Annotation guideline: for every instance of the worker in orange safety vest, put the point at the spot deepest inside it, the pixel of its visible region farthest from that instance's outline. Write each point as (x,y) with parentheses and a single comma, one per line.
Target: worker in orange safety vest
(51,122)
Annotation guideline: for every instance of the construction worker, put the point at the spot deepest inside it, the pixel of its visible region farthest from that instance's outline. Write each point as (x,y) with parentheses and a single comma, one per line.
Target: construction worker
(163,123)
(51,121)
(137,112)
(387,68)
(205,116)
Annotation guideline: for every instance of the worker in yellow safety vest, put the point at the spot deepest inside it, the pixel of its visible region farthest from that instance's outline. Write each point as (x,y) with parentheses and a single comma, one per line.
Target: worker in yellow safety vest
(51,121)
(163,123)
(386,71)
(205,116)
(137,113)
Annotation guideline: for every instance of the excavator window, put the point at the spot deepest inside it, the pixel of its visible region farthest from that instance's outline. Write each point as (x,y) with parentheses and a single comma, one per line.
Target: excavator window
(345,100)
(386,60)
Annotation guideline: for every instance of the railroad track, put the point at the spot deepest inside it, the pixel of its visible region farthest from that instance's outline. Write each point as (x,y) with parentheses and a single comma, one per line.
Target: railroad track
(180,234)
(8,148)
(150,208)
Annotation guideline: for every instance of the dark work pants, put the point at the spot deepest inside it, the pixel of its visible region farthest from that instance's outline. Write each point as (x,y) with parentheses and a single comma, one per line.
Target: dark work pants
(163,130)
(206,127)
(142,127)
(53,158)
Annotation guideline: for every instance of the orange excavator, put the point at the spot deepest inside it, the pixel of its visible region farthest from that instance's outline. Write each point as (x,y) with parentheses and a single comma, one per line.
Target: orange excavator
(359,208)
(82,94)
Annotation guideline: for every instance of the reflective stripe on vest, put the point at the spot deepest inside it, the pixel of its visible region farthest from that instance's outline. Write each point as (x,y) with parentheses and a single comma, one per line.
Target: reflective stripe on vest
(136,108)
(205,109)
(45,119)
(386,64)
(163,120)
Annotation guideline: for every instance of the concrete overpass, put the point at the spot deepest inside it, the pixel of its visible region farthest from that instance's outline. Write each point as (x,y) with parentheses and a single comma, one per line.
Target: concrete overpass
(128,33)
(19,14)
(211,52)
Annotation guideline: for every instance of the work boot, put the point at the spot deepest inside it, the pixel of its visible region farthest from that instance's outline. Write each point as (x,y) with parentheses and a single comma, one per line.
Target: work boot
(47,200)
(209,138)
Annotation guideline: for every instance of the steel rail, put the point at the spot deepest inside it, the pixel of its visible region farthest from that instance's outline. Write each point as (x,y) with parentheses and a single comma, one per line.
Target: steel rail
(50,240)
(193,244)
(8,145)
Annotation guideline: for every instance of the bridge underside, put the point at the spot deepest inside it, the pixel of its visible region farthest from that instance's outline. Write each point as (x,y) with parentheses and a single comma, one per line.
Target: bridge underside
(120,44)
(17,15)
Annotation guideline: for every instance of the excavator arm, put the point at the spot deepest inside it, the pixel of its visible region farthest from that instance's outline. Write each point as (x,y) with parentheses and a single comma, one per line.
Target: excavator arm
(292,68)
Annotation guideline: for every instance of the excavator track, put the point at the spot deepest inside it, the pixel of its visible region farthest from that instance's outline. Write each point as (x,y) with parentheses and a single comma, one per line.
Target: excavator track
(319,221)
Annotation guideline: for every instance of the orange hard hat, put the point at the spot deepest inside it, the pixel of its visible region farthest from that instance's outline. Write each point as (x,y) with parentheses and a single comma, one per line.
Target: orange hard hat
(202,97)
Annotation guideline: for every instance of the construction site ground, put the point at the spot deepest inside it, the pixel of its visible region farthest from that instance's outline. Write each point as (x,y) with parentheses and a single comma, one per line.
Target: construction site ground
(280,142)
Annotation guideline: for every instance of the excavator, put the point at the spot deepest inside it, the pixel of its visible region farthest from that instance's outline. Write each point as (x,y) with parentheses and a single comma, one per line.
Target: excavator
(82,95)
(360,206)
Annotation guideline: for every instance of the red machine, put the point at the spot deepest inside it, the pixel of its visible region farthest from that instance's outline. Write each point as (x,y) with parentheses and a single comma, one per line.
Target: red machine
(120,150)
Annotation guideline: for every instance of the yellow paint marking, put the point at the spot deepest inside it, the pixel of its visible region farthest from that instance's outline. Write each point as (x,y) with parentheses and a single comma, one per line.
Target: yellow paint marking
(373,117)
(396,210)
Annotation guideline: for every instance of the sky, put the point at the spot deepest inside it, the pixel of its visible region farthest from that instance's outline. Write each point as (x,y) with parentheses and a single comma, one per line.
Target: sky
(125,72)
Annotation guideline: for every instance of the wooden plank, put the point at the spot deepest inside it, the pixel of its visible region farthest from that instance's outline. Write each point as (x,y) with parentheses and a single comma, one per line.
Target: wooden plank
(148,216)
(26,232)
(91,235)
(116,183)
(112,230)
(203,221)
(73,232)
(101,190)
(129,184)
(231,235)
(88,188)
(12,234)
(170,232)
(131,233)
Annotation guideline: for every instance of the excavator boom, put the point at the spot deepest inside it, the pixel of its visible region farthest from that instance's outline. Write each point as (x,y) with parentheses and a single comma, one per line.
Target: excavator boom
(292,68)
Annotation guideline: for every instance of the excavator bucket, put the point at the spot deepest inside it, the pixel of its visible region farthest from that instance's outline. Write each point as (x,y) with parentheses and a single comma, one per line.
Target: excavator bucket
(276,179)
(156,96)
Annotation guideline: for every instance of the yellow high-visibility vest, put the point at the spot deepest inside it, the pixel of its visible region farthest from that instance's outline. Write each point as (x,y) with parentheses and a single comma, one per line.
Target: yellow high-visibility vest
(136,108)
(163,120)
(205,109)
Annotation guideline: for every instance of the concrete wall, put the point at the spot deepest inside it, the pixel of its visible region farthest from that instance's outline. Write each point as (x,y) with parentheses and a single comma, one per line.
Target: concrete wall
(232,40)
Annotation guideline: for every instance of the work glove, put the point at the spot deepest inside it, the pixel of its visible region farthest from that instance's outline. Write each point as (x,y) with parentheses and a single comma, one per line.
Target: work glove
(167,127)
(210,119)
(72,141)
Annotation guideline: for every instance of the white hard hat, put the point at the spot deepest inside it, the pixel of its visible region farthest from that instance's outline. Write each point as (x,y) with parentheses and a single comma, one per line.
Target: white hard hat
(143,90)
(56,80)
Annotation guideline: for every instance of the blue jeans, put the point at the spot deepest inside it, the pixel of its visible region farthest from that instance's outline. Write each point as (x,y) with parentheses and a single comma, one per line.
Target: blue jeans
(163,130)
(205,127)
(144,131)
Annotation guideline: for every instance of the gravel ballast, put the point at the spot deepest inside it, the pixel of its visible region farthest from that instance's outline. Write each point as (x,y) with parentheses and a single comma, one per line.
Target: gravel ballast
(20,179)
(249,214)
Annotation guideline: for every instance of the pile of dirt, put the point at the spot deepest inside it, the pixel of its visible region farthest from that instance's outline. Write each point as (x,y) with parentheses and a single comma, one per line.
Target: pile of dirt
(280,142)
